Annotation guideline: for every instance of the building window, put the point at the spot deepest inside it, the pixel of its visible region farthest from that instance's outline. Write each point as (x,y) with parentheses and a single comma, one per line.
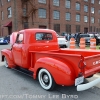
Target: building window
(56,2)
(2,16)
(99,11)
(92,1)
(99,21)
(1,1)
(86,0)
(9,12)
(56,15)
(68,4)
(68,28)
(25,25)
(57,27)
(78,17)
(77,6)
(85,18)
(92,10)
(92,19)
(85,8)
(24,11)
(68,16)
(8,0)
(77,28)
(42,1)
(42,13)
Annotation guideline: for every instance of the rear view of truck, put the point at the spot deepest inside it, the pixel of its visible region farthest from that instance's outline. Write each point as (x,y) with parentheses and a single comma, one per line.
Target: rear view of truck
(37,51)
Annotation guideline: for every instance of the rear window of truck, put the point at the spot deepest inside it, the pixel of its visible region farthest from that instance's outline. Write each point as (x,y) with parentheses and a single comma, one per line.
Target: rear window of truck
(44,36)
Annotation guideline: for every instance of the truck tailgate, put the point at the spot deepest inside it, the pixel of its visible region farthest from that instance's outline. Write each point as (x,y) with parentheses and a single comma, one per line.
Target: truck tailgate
(92,64)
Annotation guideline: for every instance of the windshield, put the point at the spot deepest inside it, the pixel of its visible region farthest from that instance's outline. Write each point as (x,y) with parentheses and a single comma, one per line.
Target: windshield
(84,35)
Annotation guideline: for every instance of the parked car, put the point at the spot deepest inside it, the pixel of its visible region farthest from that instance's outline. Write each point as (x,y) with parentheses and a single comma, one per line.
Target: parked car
(3,41)
(86,36)
(7,38)
(97,37)
(63,43)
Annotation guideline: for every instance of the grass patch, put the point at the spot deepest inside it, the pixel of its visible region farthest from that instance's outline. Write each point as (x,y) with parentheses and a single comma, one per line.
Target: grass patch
(97,47)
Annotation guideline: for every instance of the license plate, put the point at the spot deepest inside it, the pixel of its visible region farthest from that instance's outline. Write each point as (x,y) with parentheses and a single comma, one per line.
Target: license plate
(79,80)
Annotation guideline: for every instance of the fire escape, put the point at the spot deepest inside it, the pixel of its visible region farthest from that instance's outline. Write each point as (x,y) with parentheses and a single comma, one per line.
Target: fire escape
(29,9)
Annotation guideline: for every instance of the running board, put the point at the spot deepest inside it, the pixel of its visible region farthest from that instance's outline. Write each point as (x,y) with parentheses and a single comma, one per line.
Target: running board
(24,71)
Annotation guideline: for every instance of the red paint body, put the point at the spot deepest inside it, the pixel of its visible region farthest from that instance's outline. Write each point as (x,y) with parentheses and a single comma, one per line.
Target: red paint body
(63,64)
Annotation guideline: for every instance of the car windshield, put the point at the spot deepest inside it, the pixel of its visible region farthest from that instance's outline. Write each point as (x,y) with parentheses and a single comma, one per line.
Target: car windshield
(84,35)
(1,38)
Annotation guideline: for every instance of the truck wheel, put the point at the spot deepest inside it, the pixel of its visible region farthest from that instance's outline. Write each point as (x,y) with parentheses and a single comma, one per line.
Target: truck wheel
(5,62)
(46,80)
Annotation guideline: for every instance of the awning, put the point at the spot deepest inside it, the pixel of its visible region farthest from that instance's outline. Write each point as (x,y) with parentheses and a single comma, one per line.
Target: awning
(9,24)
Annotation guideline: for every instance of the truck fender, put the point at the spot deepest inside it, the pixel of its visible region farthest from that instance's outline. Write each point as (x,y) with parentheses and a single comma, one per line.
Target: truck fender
(8,54)
(60,71)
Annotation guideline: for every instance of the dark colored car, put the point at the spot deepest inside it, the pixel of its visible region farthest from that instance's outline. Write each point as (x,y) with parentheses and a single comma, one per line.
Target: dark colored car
(7,38)
(97,37)
(3,41)
(86,36)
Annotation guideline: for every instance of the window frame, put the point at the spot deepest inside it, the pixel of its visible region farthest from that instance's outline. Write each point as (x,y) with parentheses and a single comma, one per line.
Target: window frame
(57,3)
(57,27)
(56,15)
(2,15)
(86,17)
(42,37)
(68,18)
(17,41)
(9,10)
(85,8)
(78,16)
(92,10)
(43,13)
(93,20)
(86,0)
(68,4)
(78,6)
(42,1)
(92,1)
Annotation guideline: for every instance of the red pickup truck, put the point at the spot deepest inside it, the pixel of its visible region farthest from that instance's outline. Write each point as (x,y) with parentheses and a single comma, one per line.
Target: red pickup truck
(37,53)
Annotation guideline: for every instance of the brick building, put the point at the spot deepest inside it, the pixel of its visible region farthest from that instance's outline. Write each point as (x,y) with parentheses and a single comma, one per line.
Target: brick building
(69,16)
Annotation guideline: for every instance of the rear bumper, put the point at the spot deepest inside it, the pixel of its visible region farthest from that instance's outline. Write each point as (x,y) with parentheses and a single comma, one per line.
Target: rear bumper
(86,86)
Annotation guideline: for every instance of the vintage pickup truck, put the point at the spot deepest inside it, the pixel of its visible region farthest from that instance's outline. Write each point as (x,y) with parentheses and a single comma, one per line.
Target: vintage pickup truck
(37,53)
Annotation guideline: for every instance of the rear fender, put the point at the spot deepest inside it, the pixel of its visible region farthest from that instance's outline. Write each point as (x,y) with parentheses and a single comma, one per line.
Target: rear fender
(8,54)
(60,71)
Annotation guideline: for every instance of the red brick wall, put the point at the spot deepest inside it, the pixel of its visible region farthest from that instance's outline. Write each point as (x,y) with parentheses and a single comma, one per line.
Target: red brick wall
(17,15)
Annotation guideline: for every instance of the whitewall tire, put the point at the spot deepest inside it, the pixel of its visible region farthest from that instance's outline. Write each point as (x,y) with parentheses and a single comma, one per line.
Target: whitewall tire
(6,62)
(46,80)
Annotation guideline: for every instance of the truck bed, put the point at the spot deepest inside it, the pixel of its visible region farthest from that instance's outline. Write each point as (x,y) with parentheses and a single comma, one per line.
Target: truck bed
(72,57)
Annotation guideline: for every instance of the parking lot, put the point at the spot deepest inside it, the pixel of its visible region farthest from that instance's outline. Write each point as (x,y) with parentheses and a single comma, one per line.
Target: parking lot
(17,86)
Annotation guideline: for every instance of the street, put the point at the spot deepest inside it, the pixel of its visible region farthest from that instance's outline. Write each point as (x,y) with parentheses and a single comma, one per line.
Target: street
(18,86)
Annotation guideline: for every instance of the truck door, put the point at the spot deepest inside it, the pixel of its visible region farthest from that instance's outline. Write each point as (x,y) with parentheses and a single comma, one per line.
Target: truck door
(17,49)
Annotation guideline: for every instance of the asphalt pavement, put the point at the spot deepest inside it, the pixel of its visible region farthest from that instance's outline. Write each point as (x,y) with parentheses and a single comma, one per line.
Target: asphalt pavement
(18,86)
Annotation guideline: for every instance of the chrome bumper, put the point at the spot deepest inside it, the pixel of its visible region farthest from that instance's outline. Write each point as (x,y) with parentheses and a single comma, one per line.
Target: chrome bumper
(86,86)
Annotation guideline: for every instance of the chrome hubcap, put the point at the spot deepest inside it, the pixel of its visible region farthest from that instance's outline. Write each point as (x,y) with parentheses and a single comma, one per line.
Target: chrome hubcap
(45,78)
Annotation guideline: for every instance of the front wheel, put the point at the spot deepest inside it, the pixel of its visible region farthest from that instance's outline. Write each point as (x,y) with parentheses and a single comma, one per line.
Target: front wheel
(6,62)
(46,80)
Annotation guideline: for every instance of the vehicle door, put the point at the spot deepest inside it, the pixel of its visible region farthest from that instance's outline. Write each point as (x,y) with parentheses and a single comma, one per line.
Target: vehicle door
(17,49)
